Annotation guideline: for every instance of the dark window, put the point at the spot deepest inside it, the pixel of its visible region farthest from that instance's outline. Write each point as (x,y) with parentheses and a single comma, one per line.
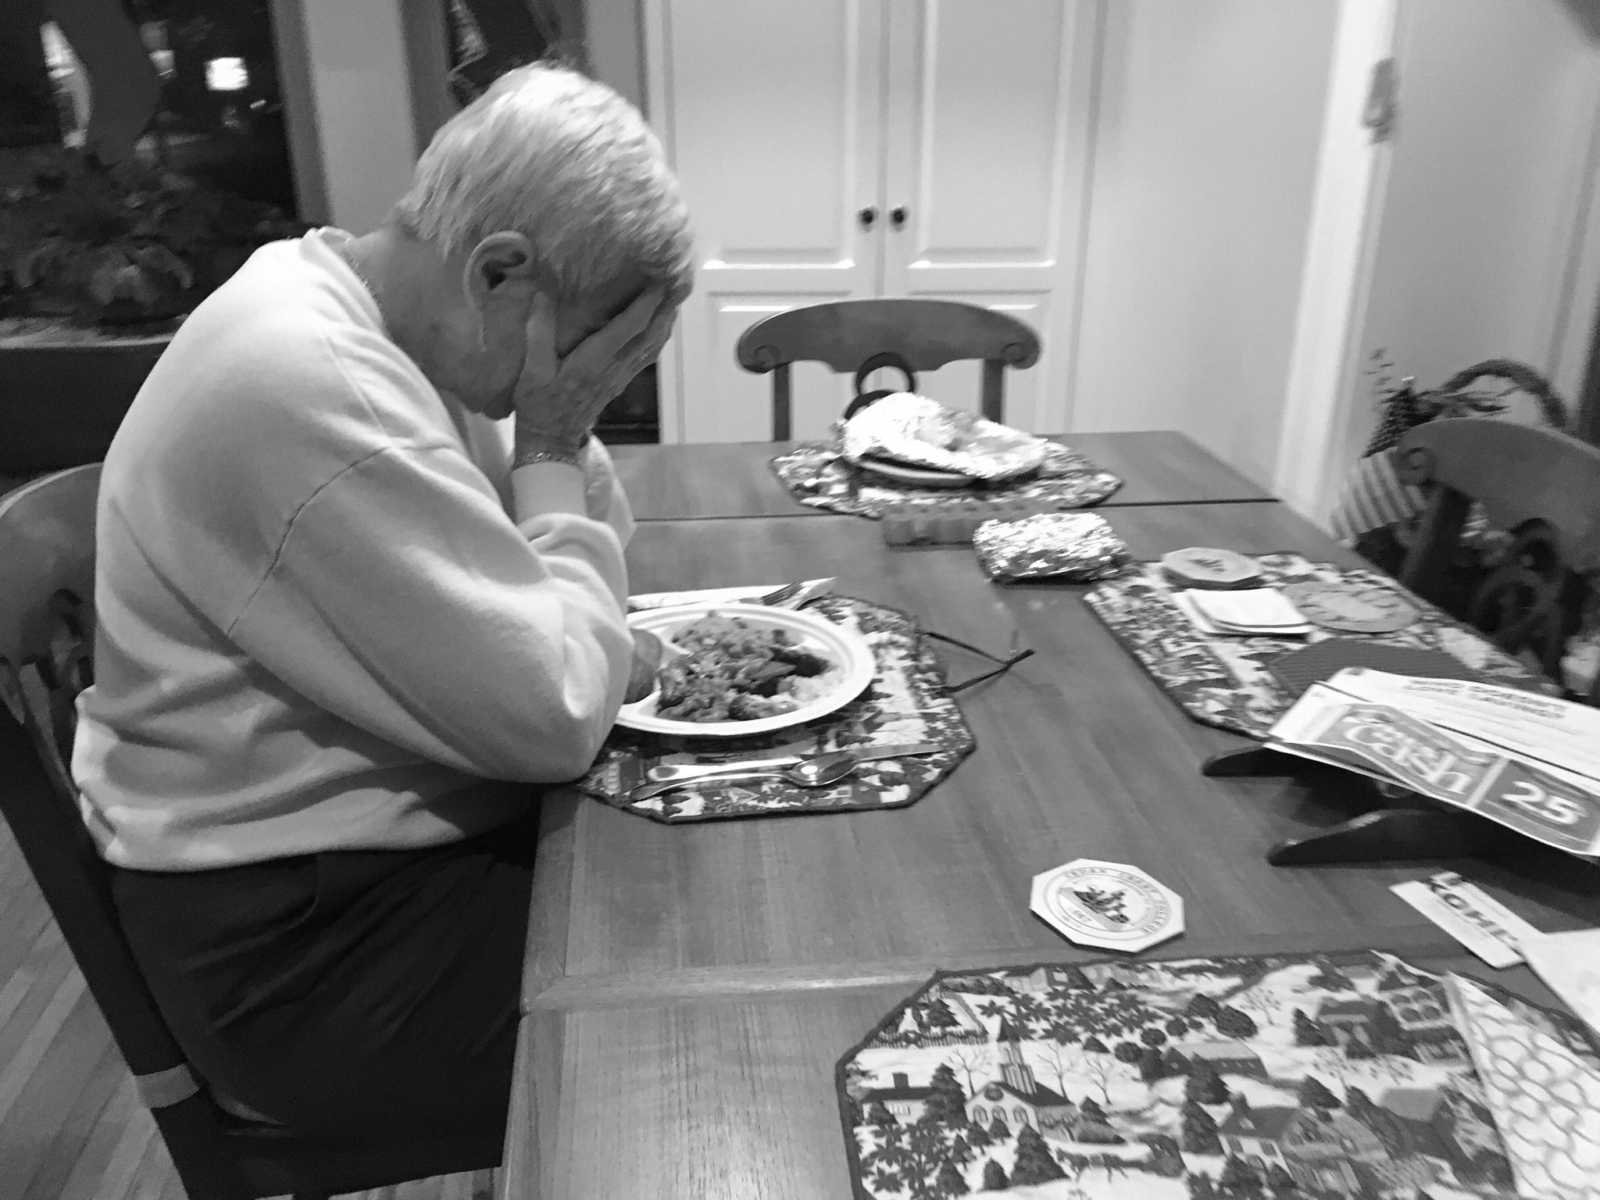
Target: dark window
(145,147)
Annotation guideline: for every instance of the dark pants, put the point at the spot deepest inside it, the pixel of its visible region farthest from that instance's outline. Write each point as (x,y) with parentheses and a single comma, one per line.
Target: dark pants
(346,994)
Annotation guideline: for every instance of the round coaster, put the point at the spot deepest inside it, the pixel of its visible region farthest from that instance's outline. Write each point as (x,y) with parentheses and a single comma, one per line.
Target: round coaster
(1351,607)
(1204,567)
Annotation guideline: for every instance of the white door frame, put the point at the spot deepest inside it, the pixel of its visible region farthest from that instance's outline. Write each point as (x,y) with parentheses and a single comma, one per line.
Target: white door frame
(348,95)
(1347,200)
(669,365)
(1324,381)
(1579,301)
(656,96)
(614,37)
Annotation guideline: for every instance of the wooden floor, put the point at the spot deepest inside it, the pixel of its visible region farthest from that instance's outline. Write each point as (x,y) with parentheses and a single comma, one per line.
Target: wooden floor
(70,1125)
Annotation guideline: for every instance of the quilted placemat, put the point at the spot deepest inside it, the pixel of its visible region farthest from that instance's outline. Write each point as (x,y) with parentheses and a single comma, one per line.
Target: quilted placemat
(1321,661)
(815,474)
(1226,681)
(1312,1077)
(1546,1093)
(905,703)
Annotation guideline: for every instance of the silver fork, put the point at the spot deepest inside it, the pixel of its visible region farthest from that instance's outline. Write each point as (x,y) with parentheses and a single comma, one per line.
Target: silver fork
(777,596)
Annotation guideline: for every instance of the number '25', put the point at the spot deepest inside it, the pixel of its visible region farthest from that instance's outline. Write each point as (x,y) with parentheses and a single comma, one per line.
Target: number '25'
(1556,809)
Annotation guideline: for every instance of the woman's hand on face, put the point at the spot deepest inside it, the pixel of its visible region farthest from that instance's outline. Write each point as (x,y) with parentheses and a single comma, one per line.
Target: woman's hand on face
(559,398)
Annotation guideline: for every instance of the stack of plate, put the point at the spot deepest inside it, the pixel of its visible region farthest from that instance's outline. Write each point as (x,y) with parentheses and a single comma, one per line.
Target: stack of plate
(1256,612)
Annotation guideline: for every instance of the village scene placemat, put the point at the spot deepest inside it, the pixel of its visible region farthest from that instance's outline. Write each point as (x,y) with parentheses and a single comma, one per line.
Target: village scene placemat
(1226,681)
(1316,1077)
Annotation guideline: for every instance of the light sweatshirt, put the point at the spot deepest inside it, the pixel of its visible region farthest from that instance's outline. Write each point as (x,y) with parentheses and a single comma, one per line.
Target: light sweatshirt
(327,615)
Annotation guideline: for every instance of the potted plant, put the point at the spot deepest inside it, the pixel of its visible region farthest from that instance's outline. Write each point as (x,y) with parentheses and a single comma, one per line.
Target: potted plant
(98,266)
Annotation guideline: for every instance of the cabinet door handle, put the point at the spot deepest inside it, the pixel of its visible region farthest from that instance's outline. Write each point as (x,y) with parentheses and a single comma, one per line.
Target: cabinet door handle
(868,216)
(898,215)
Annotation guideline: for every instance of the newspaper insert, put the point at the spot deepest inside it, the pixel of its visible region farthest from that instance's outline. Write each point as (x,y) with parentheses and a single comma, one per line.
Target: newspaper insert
(1528,761)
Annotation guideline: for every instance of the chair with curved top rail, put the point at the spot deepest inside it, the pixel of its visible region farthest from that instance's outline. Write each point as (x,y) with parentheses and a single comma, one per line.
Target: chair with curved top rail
(911,335)
(1537,597)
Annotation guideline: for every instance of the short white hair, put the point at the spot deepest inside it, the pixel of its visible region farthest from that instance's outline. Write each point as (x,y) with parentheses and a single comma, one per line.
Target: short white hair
(568,163)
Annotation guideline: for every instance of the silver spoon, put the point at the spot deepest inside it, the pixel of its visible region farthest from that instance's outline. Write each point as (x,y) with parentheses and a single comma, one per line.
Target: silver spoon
(821,771)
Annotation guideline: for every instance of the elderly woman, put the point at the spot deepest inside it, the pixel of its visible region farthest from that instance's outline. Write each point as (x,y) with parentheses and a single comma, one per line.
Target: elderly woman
(347,616)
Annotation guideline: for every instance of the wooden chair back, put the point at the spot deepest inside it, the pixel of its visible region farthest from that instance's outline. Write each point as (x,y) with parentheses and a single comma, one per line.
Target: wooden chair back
(861,335)
(47,546)
(47,549)
(1540,486)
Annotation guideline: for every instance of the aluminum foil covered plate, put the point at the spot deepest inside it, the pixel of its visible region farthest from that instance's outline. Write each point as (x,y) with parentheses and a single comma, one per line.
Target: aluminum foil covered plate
(1070,545)
(907,428)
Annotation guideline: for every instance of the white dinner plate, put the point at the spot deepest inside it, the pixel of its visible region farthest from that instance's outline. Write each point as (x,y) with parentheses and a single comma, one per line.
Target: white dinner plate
(844,648)
(928,477)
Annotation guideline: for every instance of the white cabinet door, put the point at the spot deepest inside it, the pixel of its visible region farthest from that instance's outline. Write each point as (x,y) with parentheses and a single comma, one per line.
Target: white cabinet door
(987,151)
(771,113)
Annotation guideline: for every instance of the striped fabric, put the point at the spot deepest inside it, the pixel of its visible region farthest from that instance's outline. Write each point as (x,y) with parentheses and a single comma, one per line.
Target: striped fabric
(1374,497)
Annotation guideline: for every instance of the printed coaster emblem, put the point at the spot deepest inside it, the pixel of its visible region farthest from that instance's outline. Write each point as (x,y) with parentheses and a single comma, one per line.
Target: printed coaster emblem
(1351,607)
(1105,904)
(1205,567)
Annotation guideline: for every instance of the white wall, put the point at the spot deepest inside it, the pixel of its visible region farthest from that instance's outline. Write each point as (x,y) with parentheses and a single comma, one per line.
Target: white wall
(616,49)
(357,73)
(1209,124)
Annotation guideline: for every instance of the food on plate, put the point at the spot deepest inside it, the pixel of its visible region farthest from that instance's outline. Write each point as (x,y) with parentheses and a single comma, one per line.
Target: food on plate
(734,670)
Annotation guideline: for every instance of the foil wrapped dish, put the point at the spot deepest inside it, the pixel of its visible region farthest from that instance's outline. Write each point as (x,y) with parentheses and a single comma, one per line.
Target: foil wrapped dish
(1074,546)
(904,427)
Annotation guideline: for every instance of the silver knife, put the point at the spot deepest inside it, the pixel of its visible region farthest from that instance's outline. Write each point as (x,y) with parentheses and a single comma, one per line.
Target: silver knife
(676,771)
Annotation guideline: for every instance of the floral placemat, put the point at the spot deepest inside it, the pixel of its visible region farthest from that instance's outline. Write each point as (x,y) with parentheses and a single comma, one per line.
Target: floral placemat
(1316,1077)
(816,475)
(905,703)
(1225,681)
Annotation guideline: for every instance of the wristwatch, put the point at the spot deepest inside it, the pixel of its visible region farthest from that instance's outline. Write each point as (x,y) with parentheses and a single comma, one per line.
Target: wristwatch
(547,452)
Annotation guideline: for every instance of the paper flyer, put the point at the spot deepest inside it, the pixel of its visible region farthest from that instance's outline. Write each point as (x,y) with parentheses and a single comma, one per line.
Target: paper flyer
(1470,915)
(1527,762)
(1546,728)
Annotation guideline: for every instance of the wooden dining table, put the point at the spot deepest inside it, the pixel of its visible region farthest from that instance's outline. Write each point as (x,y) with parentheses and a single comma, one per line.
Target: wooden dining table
(734,479)
(689,988)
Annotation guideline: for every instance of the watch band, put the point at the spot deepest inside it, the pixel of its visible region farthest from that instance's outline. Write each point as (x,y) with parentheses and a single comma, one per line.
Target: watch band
(547,452)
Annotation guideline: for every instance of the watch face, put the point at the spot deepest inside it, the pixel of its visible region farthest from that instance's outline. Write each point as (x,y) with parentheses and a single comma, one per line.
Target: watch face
(1352,607)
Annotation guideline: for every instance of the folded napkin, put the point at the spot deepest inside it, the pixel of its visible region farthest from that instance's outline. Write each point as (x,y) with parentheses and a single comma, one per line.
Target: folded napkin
(1069,546)
(914,429)
(1248,612)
